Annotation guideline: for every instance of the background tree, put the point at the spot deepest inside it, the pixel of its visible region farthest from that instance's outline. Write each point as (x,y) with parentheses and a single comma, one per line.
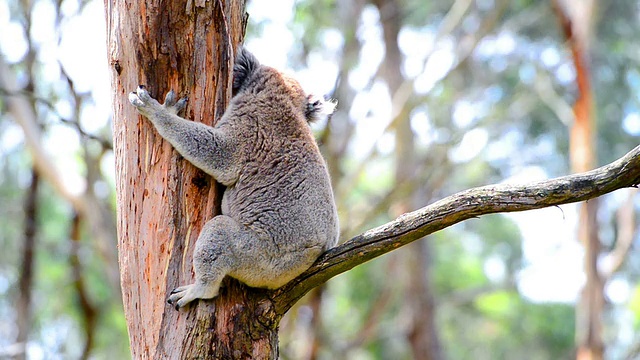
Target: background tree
(61,289)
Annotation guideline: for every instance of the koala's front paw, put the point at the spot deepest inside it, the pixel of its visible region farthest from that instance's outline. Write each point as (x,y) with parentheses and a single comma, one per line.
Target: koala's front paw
(141,99)
(183,295)
(147,105)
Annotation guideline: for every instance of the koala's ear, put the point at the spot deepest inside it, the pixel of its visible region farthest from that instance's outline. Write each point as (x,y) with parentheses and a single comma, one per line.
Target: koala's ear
(317,107)
(245,65)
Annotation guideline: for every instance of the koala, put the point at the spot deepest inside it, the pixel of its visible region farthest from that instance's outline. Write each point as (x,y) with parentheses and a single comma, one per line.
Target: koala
(278,211)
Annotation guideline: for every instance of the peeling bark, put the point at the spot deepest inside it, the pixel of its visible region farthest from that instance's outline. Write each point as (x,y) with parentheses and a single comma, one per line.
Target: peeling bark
(162,200)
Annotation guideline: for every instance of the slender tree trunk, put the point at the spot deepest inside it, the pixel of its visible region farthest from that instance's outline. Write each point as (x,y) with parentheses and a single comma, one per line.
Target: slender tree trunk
(86,307)
(162,200)
(419,298)
(25,284)
(575,24)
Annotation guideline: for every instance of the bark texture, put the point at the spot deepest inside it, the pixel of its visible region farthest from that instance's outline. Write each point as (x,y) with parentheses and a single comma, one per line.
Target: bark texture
(162,200)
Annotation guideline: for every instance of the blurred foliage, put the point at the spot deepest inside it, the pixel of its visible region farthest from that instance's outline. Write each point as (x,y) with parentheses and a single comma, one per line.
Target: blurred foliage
(488,102)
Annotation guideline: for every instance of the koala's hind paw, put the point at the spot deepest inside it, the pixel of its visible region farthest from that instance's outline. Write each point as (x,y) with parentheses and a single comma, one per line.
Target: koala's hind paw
(183,295)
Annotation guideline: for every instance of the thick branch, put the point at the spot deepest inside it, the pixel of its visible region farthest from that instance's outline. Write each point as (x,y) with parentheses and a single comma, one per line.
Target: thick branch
(624,172)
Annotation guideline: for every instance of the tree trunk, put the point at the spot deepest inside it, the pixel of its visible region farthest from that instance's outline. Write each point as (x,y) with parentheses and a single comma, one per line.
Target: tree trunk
(27,265)
(419,299)
(162,200)
(582,150)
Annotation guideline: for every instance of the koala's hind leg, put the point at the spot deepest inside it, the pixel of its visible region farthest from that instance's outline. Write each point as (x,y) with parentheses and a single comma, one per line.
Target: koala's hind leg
(213,258)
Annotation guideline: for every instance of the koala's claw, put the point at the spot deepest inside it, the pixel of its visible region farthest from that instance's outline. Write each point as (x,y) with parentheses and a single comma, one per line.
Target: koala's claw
(143,101)
(178,298)
(170,98)
(172,105)
(181,104)
(135,100)
(141,98)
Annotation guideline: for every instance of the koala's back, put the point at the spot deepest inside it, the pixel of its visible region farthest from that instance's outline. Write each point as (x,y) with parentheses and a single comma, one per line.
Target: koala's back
(285,196)
(282,191)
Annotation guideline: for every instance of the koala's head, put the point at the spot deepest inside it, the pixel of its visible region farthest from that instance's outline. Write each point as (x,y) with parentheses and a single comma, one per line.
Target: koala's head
(250,75)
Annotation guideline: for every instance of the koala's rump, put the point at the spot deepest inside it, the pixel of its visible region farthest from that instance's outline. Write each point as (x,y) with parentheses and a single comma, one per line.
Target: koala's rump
(286,201)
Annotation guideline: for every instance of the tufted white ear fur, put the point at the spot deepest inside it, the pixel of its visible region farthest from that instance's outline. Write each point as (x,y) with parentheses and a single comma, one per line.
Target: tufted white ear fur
(319,107)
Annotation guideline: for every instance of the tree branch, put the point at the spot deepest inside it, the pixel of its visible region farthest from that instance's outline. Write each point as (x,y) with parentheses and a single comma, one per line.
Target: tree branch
(86,203)
(25,116)
(624,172)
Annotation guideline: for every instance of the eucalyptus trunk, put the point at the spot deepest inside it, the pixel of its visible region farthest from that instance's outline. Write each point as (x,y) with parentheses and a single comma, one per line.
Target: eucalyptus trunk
(162,200)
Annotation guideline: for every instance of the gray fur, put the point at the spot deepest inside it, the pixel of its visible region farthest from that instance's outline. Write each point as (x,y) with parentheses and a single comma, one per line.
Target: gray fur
(278,211)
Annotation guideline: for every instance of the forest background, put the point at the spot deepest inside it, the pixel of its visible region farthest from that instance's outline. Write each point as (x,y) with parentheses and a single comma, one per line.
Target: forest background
(433,98)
